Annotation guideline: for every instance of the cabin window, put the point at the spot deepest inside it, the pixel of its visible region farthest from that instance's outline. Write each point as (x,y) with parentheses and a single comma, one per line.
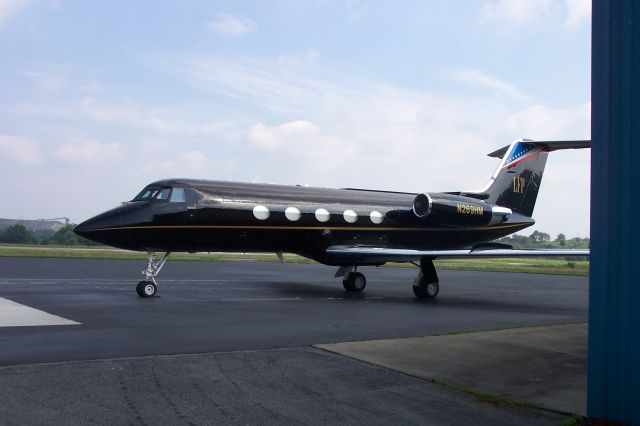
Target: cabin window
(177,195)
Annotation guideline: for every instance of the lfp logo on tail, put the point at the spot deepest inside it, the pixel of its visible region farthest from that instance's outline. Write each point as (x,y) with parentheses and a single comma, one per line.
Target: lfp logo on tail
(518,184)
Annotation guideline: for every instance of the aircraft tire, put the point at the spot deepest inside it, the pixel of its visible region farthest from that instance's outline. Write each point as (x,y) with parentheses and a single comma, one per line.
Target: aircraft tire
(146,289)
(355,282)
(426,290)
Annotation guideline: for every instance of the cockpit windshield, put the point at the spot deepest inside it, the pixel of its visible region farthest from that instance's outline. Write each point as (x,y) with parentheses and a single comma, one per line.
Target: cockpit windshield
(147,194)
(175,195)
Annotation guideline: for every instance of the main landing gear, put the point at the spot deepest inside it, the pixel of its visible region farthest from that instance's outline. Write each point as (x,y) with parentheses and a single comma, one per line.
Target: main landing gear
(149,287)
(352,280)
(425,286)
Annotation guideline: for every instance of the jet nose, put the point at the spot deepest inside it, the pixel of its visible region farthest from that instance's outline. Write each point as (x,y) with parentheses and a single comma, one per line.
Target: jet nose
(96,227)
(83,229)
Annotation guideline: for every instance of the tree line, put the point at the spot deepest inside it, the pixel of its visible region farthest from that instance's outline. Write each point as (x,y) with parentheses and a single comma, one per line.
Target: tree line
(20,234)
(542,240)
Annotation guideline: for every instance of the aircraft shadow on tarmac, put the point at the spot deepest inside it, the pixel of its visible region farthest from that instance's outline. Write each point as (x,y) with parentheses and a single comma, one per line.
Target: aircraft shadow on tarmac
(521,303)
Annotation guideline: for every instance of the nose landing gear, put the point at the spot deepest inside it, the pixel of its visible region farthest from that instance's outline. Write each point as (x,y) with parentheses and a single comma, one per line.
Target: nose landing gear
(149,287)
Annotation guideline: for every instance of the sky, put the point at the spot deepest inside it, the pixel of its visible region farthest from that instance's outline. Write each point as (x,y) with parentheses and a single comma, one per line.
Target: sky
(98,99)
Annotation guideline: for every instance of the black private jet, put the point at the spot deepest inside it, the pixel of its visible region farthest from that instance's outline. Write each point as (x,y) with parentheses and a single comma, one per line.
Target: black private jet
(340,227)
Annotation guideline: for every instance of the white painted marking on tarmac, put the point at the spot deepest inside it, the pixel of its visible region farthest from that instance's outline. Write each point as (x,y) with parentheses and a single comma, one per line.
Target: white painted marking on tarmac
(290,299)
(244,299)
(102,280)
(14,314)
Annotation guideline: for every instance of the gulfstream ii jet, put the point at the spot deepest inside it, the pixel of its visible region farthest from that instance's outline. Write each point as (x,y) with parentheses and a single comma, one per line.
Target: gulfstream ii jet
(340,227)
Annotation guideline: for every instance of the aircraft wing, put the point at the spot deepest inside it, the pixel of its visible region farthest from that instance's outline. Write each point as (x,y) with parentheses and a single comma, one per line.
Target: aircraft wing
(374,254)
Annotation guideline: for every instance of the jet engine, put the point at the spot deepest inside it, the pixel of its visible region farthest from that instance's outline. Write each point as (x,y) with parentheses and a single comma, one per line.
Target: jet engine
(457,211)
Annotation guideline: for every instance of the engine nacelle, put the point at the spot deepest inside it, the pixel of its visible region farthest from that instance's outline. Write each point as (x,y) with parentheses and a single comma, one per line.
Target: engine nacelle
(457,211)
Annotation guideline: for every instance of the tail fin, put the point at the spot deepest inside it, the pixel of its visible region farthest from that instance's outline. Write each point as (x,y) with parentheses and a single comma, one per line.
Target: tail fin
(516,181)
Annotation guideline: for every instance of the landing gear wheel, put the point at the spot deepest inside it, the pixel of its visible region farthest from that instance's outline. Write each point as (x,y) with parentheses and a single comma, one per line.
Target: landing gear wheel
(146,289)
(354,282)
(426,285)
(424,290)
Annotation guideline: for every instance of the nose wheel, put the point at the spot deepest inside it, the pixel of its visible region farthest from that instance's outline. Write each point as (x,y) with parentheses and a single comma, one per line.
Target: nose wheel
(149,287)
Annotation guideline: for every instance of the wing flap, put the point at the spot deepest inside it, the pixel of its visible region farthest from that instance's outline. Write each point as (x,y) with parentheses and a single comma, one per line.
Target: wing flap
(404,255)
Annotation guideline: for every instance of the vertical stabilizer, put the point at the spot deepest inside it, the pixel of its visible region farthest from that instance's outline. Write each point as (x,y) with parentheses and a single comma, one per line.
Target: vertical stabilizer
(516,181)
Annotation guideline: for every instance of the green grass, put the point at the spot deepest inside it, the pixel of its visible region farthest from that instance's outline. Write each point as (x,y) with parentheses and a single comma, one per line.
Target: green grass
(556,266)
(572,421)
(483,396)
(520,265)
(14,250)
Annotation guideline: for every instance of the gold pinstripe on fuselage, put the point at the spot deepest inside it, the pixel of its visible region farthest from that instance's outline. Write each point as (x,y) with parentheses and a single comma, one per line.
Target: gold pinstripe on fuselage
(311,228)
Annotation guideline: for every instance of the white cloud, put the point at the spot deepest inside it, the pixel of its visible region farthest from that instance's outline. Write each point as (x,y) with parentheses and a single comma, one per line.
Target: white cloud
(546,123)
(88,152)
(314,124)
(244,80)
(193,160)
(299,60)
(362,132)
(272,138)
(263,137)
(577,12)
(296,128)
(50,84)
(21,150)
(519,10)
(49,79)
(231,25)
(356,9)
(126,113)
(570,12)
(9,8)
(185,164)
(91,86)
(476,77)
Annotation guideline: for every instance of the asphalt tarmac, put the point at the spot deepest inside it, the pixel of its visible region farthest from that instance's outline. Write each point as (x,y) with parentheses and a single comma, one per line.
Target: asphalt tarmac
(252,324)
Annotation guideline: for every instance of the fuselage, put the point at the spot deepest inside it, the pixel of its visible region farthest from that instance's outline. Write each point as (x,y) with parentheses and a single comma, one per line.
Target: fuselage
(199,215)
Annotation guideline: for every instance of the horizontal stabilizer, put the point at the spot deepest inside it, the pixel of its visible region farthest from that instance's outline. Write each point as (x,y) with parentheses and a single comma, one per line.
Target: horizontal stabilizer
(546,146)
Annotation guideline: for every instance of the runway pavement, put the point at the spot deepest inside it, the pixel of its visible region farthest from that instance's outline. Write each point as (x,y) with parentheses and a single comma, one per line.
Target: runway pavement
(275,312)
